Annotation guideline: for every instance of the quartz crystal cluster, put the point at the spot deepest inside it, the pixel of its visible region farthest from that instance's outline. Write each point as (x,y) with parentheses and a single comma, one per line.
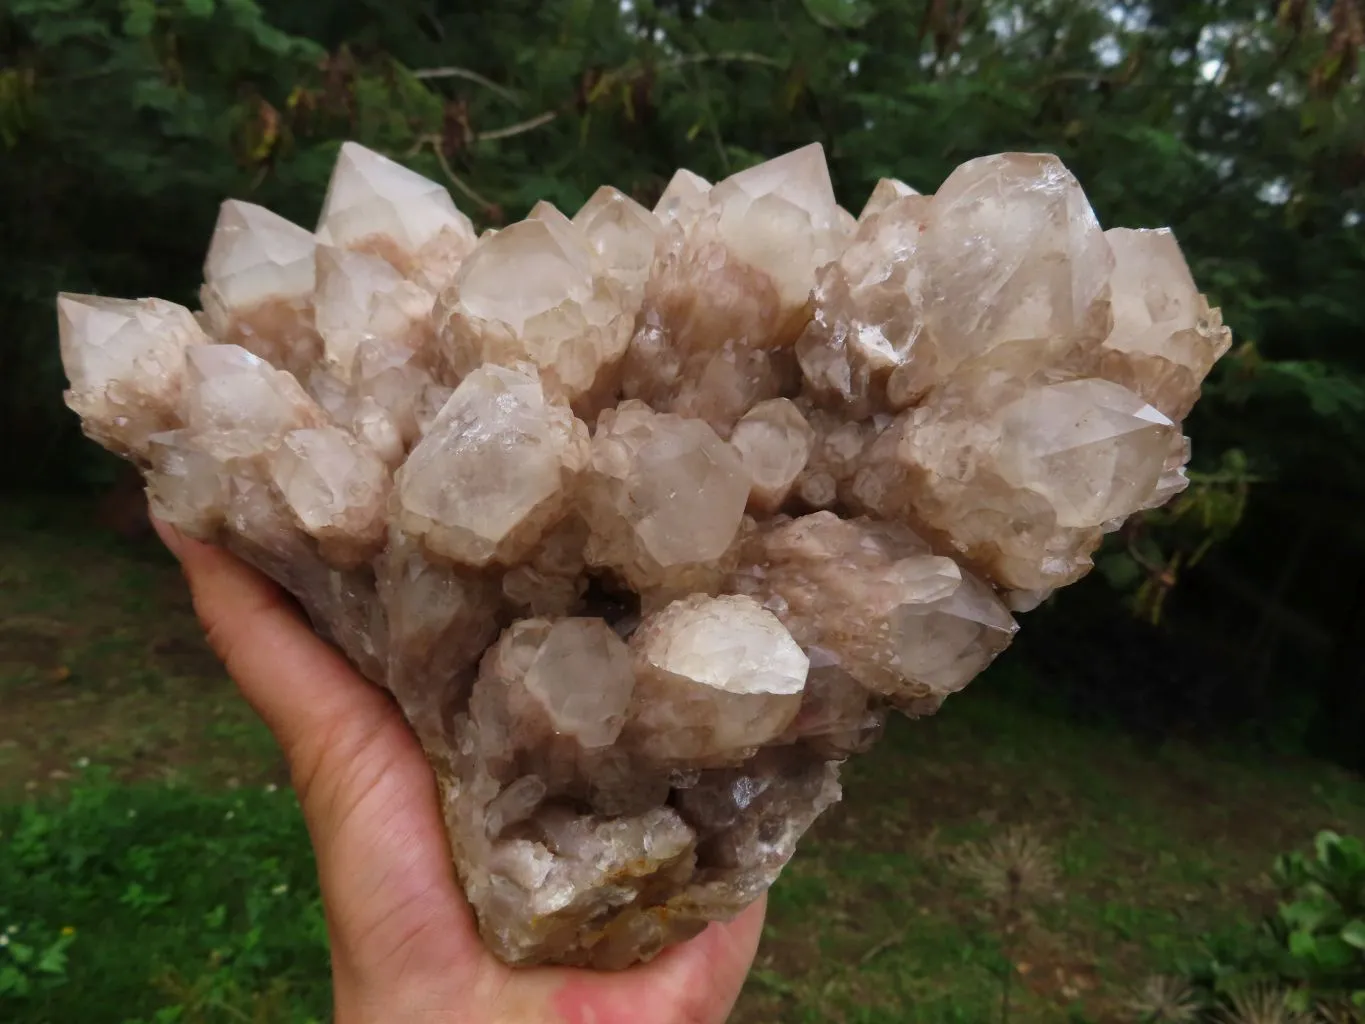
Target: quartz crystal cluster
(647,517)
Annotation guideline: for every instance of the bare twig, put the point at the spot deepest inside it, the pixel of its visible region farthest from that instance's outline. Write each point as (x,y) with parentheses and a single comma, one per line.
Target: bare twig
(434,141)
(519,128)
(894,939)
(459,182)
(728,57)
(469,76)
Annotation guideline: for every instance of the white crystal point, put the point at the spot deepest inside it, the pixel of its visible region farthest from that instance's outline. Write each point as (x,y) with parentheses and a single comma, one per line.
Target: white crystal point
(1020,479)
(801,177)
(865,349)
(717,676)
(943,644)
(904,623)
(1165,338)
(623,234)
(493,473)
(256,255)
(106,342)
(582,677)
(774,442)
(186,487)
(730,290)
(1015,255)
(886,192)
(571,679)
(554,267)
(549,213)
(238,406)
(336,490)
(782,218)
(373,197)
(664,499)
(1094,449)
(125,360)
(685,191)
(361,299)
(536,293)
(727,643)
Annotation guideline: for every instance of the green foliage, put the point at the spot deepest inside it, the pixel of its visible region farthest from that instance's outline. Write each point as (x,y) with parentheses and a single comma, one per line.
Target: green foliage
(1320,927)
(97,890)
(1312,948)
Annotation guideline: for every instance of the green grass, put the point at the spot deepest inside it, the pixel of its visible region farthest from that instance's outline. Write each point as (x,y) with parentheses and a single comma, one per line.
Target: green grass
(161,902)
(135,810)
(1154,852)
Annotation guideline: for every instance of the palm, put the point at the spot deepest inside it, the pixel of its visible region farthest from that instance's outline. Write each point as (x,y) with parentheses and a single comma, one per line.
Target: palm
(404,943)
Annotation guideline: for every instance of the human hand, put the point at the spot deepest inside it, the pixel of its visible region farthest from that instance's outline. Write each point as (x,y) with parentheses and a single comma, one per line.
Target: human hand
(404,943)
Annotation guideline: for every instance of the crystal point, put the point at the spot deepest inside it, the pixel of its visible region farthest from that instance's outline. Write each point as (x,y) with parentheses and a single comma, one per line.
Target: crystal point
(663,498)
(1165,337)
(494,471)
(372,196)
(377,205)
(718,678)
(126,364)
(257,255)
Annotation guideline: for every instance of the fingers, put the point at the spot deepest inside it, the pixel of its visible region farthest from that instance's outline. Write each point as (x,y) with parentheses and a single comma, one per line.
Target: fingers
(696,982)
(367,792)
(297,683)
(707,973)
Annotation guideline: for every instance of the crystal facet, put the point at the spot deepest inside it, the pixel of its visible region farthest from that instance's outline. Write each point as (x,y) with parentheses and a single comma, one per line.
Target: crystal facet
(126,364)
(493,473)
(537,293)
(647,518)
(1165,338)
(376,205)
(258,285)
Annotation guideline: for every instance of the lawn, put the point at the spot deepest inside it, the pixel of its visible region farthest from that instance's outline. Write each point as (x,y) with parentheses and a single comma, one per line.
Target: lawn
(153,866)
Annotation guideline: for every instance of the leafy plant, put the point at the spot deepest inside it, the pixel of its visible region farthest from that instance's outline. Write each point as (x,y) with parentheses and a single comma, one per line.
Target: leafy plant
(1320,926)
(28,962)
(1309,955)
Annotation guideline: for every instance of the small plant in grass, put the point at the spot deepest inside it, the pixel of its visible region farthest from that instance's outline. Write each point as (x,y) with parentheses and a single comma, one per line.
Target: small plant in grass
(1164,1000)
(32,959)
(1262,1005)
(1014,868)
(1319,930)
(1307,961)
(1015,871)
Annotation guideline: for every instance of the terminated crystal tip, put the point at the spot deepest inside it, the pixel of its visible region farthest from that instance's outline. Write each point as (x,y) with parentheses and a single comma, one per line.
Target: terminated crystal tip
(125,360)
(646,519)
(257,255)
(370,197)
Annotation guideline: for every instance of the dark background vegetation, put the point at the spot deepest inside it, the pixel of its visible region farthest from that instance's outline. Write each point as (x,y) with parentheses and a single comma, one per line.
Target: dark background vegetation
(1137,732)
